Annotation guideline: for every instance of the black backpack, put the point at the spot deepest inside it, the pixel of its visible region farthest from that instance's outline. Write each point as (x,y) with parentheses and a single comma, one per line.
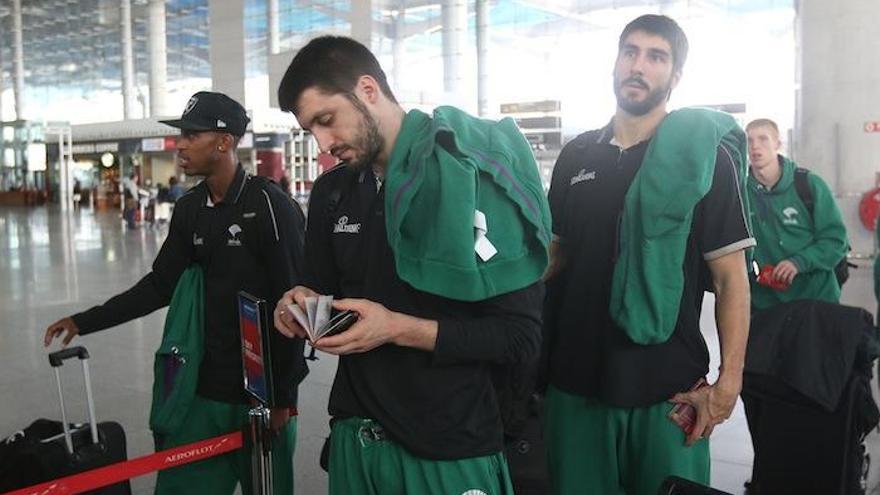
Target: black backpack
(802,187)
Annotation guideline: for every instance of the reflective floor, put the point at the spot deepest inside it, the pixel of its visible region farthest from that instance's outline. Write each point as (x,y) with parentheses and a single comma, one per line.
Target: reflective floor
(55,263)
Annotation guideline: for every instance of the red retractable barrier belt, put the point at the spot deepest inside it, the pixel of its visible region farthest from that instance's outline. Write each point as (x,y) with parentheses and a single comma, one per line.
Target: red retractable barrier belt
(114,473)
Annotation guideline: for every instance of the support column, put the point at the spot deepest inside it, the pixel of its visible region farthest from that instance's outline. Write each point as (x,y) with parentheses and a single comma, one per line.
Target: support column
(18,62)
(158,59)
(127,59)
(1,96)
(482,14)
(834,133)
(226,37)
(454,14)
(273,33)
(398,45)
(362,21)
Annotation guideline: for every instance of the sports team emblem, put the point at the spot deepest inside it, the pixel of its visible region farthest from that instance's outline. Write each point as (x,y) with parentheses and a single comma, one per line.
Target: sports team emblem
(190,104)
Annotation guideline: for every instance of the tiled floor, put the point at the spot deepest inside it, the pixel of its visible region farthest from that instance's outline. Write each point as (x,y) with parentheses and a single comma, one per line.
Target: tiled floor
(53,264)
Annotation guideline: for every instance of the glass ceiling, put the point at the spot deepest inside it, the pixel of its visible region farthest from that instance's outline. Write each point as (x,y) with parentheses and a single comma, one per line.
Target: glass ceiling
(539,49)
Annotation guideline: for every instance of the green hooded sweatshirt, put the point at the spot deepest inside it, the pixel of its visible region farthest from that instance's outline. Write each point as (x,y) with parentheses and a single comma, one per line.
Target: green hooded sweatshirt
(786,230)
(177,361)
(877,272)
(675,175)
(444,170)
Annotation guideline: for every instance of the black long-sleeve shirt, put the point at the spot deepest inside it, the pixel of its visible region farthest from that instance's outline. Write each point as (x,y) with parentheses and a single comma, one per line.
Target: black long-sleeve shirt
(251,241)
(440,404)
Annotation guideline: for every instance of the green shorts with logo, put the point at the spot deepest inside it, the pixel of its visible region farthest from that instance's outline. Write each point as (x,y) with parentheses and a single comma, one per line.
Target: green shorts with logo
(364,462)
(594,448)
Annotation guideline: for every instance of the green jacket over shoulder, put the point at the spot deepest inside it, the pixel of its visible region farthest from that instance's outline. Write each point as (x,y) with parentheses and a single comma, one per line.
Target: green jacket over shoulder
(675,175)
(786,230)
(445,170)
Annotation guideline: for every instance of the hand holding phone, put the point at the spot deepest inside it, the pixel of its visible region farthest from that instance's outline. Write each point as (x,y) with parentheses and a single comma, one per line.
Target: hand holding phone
(338,324)
(316,320)
(685,415)
(765,278)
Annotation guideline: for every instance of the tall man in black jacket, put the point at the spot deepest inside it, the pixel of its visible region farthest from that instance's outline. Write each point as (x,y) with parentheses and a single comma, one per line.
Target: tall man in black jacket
(247,235)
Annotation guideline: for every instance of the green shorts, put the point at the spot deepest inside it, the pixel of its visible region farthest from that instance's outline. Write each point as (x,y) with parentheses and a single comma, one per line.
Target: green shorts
(364,462)
(593,448)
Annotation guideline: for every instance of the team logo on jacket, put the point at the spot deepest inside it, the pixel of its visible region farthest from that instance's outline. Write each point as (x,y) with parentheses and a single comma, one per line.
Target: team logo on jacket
(233,240)
(475,492)
(583,176)
(342,226)
(790,215)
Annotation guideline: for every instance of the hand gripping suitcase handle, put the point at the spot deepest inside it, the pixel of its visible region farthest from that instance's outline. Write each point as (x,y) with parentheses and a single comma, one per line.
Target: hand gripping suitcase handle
(57,358)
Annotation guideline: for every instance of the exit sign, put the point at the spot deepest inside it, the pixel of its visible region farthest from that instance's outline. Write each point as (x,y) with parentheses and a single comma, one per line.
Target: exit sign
(872,126)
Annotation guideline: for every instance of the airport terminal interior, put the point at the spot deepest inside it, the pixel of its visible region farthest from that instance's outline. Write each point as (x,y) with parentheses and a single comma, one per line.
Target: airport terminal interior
(84,84)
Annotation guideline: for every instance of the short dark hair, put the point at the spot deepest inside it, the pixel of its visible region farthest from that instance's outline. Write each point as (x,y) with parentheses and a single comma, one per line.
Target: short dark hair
(332,64)
(664,27)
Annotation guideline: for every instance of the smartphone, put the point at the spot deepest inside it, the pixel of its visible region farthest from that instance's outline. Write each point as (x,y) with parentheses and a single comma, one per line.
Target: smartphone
(685,415)
(338,324)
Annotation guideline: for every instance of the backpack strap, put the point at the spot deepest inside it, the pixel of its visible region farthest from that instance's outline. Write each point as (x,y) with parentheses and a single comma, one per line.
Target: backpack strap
(802,187)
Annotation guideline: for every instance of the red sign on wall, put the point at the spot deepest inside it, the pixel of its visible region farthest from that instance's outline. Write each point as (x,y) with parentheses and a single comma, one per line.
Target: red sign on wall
(872,126)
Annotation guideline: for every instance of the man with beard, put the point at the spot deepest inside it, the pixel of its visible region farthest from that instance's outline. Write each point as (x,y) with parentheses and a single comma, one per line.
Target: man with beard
(646,214)
(803,243)
(245,234)
(434,231)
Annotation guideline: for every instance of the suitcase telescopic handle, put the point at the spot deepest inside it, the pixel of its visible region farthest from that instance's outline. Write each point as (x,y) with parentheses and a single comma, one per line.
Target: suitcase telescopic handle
(57,358)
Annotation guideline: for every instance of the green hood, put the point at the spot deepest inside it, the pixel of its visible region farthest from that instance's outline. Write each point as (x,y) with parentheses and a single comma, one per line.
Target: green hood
(786,230)
(443,169)
(785,183)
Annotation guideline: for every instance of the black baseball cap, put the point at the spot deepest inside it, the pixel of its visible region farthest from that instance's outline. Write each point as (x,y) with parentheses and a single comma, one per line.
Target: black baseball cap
(209,111)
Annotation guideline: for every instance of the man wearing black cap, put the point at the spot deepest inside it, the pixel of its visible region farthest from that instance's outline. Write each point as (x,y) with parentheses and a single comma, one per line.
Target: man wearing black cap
(245,234)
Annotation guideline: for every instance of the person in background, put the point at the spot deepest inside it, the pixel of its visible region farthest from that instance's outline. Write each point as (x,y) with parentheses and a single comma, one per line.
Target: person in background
(284,183)
(175,189)
(77,193)
(802,243)
(130,198)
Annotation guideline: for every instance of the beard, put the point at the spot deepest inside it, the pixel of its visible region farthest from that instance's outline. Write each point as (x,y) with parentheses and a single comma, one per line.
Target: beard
(368,139)
(638,108)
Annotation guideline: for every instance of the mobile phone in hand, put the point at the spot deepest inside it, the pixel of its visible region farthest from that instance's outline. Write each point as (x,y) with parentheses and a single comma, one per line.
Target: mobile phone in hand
(338,324)
(685,415)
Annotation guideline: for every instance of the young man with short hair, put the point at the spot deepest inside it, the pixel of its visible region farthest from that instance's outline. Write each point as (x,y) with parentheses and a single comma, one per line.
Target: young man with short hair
(646,212)
(803,243)
(245,234)
(434,230)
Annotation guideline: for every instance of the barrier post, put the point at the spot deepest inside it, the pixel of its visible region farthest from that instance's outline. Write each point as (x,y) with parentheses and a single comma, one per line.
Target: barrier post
(257,373)
(261,451)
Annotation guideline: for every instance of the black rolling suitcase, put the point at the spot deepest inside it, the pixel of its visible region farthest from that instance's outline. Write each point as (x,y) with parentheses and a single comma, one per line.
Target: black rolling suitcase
(48,449)
(803,448)
(808,401)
